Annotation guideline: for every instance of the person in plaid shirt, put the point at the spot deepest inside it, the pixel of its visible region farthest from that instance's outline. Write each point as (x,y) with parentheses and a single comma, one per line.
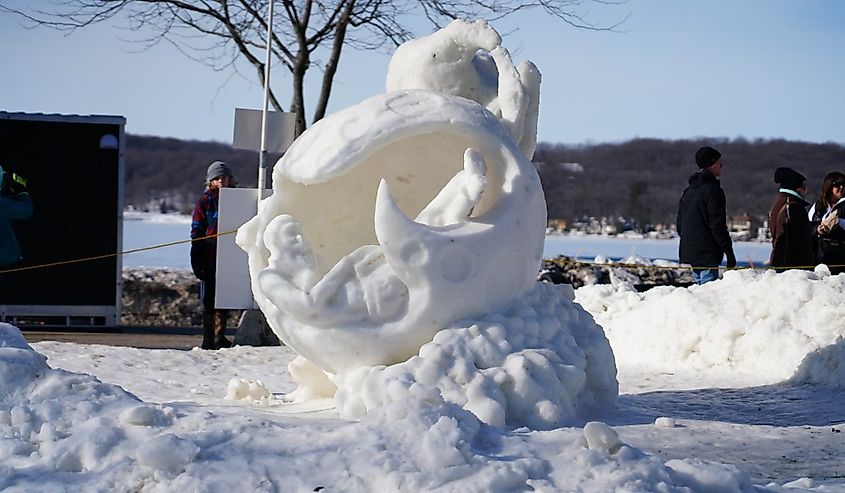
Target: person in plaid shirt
(204,253)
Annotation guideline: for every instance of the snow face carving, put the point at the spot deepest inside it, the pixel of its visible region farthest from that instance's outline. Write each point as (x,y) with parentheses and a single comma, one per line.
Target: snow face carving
(413,209)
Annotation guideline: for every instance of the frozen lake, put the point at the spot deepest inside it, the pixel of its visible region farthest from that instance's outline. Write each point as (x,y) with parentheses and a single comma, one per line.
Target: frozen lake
(588,247)
(140,231)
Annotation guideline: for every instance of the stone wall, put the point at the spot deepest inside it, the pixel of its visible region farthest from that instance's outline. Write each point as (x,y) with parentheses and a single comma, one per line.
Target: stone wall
(170,298)
(159,297)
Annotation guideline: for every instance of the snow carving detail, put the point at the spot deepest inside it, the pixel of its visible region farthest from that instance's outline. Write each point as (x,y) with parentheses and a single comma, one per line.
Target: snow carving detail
(397,217)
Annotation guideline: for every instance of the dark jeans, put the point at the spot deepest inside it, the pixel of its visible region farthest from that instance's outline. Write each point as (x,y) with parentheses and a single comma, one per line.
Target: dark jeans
(701,276)
(207,290)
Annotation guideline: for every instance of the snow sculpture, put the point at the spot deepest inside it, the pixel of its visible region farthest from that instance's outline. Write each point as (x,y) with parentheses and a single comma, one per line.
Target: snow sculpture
(400,216)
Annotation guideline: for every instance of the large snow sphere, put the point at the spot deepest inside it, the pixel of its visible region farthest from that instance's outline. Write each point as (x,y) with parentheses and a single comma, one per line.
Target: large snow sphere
(345,276)
(399,251)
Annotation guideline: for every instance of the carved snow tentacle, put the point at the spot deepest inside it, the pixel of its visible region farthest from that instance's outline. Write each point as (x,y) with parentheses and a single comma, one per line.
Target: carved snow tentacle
(456,201)
(530,77)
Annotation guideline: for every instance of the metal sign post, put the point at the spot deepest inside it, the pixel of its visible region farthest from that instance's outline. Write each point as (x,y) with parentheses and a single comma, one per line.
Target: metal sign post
(262,159)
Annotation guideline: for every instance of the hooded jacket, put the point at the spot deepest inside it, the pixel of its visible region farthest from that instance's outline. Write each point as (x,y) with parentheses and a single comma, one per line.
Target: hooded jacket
(792,232)
(204,223)
(702,223)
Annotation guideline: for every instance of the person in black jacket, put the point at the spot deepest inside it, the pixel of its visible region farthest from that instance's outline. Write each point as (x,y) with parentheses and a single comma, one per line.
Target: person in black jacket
(702,220)
(792,232)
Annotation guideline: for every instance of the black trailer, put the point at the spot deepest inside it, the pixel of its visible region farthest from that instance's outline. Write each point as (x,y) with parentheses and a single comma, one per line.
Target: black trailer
(74,167)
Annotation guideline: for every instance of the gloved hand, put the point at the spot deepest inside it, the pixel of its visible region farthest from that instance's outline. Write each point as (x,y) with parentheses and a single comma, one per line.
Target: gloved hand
(198,259)
(17,184)
(829,222)
(731,260)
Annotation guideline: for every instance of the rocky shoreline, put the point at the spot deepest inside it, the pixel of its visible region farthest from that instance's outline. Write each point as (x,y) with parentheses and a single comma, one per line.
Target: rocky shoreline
(642,275)
(164,297)
(161,297)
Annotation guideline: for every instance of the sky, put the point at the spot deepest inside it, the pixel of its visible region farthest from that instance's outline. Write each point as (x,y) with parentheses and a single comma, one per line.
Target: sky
(701,405)
(674,69)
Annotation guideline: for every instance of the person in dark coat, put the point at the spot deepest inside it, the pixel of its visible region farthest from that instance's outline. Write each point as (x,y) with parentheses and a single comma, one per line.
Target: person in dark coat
(827,216)
(702,220)
(204,253)
(792,233)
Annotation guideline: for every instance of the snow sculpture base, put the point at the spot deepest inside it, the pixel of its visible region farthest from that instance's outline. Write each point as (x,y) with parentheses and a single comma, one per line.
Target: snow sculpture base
(543,364)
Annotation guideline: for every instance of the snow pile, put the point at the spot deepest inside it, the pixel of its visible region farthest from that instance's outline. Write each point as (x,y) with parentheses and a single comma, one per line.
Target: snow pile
(156,217)
(63,431)
(436,446)
(542,365)
(57,421)
(759,323)
(241,389)
(825,366)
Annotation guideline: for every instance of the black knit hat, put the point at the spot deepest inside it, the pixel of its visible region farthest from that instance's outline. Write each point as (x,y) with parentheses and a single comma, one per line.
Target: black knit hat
(706,157)
(789,178)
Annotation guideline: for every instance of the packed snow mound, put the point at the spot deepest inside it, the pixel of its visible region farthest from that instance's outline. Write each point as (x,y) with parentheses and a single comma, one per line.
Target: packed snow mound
(544,364)
(69,422)
(824,366)
(437,446)
(11,337)
(63,431)
(759,323)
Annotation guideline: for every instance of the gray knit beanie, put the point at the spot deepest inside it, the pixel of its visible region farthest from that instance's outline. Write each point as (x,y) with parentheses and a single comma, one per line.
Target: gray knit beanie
(218,168)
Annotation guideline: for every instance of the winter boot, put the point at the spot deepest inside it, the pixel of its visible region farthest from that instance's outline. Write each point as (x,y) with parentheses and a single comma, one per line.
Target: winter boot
(220,340)
(208,331)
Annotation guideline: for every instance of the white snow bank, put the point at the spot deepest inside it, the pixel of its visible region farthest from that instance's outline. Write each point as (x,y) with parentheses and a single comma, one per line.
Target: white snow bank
(62,431)
(543,364)
(54,420)
(156,217)
(824,366)
(437,446)
(750,322)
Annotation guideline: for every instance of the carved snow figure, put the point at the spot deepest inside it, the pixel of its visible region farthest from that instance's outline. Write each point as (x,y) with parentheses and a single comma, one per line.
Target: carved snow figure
(416,211)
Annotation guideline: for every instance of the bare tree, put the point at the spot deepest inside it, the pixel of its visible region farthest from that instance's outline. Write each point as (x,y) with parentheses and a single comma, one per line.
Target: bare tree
(306,33)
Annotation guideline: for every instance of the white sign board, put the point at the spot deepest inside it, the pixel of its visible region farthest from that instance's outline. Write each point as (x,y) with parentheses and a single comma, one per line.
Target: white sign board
(237,206)
(280,128)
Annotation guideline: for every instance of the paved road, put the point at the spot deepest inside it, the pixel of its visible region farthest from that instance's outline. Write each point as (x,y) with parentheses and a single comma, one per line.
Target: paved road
(162,338)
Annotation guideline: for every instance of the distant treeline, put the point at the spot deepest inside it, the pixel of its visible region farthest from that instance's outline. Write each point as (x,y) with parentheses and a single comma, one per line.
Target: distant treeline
(641,179)
(170,173)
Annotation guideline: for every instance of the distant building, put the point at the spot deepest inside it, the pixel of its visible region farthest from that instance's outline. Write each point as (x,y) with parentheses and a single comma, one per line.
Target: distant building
(558,225)
(743,227)
(764,233)
(594,226)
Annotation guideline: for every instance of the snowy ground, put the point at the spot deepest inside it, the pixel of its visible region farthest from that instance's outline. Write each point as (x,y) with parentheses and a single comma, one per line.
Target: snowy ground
(748,371)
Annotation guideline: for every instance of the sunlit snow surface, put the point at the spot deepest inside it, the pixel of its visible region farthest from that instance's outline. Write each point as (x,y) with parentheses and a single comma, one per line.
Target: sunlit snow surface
(173,428)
